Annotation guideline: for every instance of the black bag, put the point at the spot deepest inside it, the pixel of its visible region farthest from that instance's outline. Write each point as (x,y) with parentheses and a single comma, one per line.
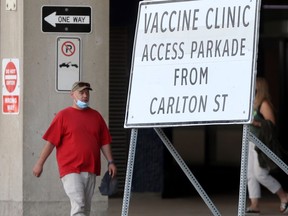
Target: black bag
(109,185)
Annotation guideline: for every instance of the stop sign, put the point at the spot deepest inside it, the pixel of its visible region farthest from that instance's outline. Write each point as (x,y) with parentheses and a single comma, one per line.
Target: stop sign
(10,77)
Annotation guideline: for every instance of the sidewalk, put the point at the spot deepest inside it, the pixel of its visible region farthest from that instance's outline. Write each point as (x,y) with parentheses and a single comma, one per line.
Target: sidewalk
(151,204)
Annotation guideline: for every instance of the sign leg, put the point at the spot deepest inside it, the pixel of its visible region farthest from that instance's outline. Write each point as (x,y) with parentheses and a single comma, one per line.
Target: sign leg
(187,171)
(243,174)
(129,172)
(265,149)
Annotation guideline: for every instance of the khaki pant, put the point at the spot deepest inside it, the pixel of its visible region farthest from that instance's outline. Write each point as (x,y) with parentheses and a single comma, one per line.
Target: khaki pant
(80,189)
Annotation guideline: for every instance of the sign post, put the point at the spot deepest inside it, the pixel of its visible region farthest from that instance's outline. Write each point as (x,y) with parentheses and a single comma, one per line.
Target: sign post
(67,63)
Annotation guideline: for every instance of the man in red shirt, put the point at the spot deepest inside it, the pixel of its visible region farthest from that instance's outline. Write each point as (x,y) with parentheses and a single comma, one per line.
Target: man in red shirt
(79,134)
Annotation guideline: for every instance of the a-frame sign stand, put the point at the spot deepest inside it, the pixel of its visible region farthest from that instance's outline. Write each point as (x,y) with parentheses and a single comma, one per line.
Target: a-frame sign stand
(178,159)
(192,61)
(247,136)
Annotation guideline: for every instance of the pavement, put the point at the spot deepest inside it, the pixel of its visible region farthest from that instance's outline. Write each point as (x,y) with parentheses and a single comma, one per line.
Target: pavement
(152,204)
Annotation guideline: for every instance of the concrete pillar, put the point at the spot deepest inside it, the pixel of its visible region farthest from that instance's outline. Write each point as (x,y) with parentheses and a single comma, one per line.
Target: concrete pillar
(21,133)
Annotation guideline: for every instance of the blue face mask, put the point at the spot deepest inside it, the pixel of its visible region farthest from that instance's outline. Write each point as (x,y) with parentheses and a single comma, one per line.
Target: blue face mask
(81,104)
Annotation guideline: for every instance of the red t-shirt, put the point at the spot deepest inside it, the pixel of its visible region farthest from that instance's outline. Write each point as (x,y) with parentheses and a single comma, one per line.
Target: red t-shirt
(78,136)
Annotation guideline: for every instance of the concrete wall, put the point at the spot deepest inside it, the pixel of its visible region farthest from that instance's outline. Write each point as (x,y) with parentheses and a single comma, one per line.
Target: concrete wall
(21,134)
(11,126)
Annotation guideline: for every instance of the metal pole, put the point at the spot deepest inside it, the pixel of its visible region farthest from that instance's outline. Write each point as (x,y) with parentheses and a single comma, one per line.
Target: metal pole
(129,172)
(268,152)
(243,174)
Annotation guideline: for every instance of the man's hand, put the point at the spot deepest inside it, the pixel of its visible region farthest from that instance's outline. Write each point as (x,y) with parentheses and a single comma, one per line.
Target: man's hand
(46,151)
(37,170)
(112,169)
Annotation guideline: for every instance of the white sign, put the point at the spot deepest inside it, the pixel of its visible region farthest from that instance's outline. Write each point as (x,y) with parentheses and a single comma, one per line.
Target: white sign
(54,19)
(194,62)
(10,86)
(68,63)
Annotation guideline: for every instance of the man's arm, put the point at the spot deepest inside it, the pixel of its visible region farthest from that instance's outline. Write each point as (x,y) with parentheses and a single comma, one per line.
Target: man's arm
(106,150)
(38,167)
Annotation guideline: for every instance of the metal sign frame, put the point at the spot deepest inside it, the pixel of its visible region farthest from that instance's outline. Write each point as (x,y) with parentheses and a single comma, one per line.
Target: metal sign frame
(246,137)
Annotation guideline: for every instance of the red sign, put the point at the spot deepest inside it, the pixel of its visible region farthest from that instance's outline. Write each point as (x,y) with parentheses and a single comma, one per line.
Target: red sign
(68,48)
(10,77)
(10,103)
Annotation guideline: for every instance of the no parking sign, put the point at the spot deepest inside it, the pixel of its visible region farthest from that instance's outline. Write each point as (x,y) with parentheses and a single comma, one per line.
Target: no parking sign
(68,63)
(10,86)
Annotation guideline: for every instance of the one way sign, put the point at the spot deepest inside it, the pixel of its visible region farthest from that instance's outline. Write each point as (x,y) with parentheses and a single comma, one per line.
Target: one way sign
(66,19)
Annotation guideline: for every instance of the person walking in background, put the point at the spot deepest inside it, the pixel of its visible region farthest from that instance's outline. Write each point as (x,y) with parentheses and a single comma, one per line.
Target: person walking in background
(257,175)
(79,134)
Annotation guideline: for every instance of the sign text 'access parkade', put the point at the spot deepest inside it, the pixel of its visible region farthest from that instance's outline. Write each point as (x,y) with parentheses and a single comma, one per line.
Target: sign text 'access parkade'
(193,63)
